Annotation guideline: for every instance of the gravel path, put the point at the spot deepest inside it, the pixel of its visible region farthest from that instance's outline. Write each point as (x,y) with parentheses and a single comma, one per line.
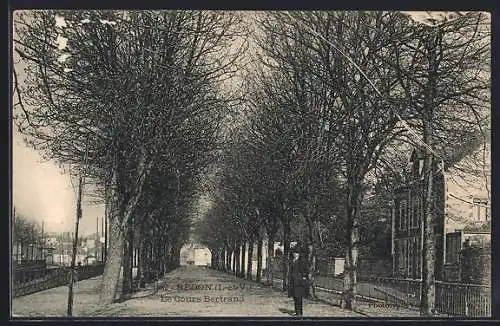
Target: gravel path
(185,292)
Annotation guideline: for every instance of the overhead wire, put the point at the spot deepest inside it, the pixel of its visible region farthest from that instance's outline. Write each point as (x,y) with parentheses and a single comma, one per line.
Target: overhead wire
(358,68)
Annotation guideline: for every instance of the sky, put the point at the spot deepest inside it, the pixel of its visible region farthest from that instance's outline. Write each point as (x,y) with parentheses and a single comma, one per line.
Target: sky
(42,192)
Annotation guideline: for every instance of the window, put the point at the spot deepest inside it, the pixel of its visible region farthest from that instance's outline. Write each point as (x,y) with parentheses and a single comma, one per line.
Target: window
(418,254)
(416,211)
(411,256)
(453,247)
(480,211)
(403,216)
(405,254)
(401,256)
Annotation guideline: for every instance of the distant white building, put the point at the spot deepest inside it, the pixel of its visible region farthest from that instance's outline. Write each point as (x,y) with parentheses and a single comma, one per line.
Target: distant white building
(52,241)
(91,243)
(195,254)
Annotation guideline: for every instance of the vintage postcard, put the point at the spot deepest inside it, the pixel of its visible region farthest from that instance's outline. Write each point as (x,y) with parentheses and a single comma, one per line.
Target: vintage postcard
(279,164)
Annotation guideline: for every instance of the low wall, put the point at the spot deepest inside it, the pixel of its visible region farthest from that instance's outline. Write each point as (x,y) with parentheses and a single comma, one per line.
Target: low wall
(27,282)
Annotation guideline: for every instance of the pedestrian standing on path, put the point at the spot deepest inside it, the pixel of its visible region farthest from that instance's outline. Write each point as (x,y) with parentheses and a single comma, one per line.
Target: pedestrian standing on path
(299,285)
(77,272)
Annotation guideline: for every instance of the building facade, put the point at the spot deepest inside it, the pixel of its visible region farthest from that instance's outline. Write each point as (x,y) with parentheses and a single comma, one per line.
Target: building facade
(407,222)
(461,207)
(195,254)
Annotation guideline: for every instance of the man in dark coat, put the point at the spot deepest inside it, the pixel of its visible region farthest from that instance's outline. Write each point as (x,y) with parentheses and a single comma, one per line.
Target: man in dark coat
(299,284)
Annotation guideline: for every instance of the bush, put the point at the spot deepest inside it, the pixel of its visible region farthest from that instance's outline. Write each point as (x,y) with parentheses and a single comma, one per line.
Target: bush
(475,264)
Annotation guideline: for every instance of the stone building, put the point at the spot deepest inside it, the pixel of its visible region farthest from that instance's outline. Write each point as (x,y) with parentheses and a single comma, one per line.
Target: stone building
(461,208)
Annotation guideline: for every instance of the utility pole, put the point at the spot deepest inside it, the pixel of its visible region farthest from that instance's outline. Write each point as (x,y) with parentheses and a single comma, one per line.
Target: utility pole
(102,244)
(97,240)
(32,244)
(75,245)
(106,233)
(42,255)
(75,242)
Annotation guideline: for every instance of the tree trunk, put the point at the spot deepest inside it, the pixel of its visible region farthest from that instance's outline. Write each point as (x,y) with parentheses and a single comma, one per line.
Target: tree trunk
(127,265)
(286,253)
(428,250)
(354,199)
(428,291)
(152,257)
(259,260)
(177,257)
(113,264)
(312,270)
(217,259)
(139,264)
(168,258)
(311,250)
(107,206)
(233,262)
(155,258)
(226,255)
(243,251)
(163,257)
(270,260)
(237,260)
(128,280)
(145,260)
(213,258)
(249,260)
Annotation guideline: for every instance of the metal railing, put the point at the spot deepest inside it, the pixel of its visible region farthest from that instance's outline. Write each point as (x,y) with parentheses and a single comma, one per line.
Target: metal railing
(459,299)
(31,281)
(453,299)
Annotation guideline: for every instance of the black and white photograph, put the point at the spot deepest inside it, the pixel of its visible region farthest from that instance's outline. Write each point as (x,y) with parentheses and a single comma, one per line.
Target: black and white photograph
(287,164)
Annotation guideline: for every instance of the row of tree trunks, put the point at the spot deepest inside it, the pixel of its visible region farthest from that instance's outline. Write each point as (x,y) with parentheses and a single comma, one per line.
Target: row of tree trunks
(238,262)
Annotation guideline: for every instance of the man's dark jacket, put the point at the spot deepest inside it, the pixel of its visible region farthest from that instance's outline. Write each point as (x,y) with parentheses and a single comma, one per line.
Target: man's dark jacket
(299,272)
